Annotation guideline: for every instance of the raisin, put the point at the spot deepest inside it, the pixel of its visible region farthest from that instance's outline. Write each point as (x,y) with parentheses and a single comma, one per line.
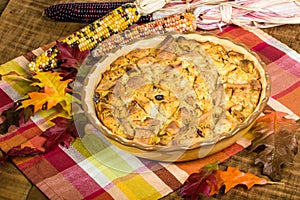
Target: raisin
(159,97)
(200,133)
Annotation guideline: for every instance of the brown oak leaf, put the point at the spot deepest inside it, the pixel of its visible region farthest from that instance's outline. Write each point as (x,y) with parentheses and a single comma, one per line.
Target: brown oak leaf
(277,144)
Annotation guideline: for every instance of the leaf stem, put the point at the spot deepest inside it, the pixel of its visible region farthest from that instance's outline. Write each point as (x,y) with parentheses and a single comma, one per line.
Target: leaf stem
(275,183)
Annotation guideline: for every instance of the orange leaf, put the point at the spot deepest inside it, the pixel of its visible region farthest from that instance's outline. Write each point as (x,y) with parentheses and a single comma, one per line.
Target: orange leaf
(234,176)
(209,180)
(36,99)
(214,187)
(54,92)
(35,142)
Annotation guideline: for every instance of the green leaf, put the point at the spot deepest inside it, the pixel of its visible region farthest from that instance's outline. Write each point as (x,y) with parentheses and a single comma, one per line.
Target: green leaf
(13,66)
(20,83)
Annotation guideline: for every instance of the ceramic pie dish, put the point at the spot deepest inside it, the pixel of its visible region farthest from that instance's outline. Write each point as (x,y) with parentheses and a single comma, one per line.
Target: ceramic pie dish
(175,97)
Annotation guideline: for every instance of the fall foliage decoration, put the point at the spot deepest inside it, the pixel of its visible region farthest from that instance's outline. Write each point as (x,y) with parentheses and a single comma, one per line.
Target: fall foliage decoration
(209,181)
(49,88)
(201,182)
(53,92)
(276,143)
(233,177)
(13,117)
(61,134)
(43,91)
(70,59)
(71,56)
(21,152)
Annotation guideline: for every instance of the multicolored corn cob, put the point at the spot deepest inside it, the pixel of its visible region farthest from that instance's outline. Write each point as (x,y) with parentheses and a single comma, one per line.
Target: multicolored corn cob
(85,12)
(88,37)
(175,23)
(80,12)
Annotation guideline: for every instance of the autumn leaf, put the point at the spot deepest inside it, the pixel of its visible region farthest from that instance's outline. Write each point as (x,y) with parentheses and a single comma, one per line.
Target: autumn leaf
(70,59)
(51,80)
(209,181)
(9,118)
(13,67)
(68,73)
(71,56)
(54,92)
(233,177)
(13,117)
(25,114)
(20,83)
(277,144)
(200,183)
(62,133)
(18,151)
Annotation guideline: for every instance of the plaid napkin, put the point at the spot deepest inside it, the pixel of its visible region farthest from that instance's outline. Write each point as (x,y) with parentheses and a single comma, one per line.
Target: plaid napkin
(110,173)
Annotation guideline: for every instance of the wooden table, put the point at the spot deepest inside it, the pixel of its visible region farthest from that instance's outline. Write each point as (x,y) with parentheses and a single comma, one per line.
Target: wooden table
(24,28)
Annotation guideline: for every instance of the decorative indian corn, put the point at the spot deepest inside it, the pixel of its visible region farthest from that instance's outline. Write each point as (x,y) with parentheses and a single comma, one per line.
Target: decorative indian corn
(175,23)
(85,12)
(88,37)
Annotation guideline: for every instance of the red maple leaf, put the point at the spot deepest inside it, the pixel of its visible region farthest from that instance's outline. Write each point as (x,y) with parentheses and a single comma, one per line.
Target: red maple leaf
(71,56)
(198,183)
(19,151)
(61,133)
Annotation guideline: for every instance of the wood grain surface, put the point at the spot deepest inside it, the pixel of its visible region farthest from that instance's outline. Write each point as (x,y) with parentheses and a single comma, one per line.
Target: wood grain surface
(24,27)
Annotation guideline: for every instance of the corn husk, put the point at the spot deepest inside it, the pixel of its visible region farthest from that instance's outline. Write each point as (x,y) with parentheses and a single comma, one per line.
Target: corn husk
(212,14)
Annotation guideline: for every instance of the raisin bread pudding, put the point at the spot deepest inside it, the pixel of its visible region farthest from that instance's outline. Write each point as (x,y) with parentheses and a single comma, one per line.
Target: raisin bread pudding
(181,92)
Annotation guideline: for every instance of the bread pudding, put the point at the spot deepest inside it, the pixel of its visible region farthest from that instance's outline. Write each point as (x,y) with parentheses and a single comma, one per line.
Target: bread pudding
(179,93)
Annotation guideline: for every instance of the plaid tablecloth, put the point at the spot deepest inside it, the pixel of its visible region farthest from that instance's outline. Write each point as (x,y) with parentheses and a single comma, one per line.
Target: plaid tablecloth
(74,173)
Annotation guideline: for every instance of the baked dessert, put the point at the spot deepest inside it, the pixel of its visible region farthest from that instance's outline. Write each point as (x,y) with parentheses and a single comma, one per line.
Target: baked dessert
(179,93)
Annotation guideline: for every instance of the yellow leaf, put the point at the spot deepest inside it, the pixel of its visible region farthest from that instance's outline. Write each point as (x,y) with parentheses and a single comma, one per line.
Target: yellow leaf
(54,92)
(51,80)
